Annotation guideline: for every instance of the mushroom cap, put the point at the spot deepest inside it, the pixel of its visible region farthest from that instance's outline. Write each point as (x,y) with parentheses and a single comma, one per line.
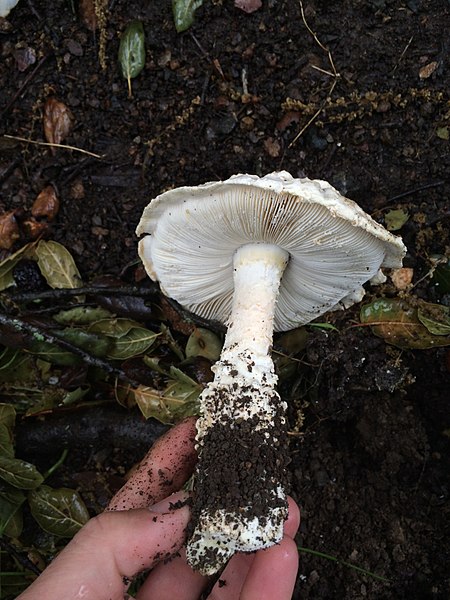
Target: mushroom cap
(334,246)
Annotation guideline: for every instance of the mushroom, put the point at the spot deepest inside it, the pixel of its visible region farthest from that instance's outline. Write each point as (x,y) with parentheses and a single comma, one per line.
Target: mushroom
(257,254)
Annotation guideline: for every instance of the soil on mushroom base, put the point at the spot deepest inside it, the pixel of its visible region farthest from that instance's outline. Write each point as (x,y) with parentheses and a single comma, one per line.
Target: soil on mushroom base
(370,468)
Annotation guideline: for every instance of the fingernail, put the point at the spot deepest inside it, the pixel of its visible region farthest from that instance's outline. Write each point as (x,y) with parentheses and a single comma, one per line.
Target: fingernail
(173,502)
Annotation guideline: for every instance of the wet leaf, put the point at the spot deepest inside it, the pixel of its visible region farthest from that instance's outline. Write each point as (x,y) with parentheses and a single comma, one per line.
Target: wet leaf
(127,337)
(57,265)
(81,315)
(94,344)
(7,415)
(19,473)
(11,520)
(435,317)
(54,354)
(395,219)
(443,133)
(178,400)
(46,204)
(34,229)
(183,13)
(203,342)
(60,512)
(6,442)
(9,230)
(75,395)
(57,122)
(397,321)
(132,52)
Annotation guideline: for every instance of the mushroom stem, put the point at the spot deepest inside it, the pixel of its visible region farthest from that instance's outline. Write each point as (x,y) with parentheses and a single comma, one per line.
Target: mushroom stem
(241,425)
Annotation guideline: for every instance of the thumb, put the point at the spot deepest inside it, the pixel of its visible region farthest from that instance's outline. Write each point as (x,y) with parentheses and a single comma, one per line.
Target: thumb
(110,549)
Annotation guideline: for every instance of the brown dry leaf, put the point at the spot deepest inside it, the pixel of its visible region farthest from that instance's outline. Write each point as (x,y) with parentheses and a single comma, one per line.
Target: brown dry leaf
(57,121)
(428,69)
(9,230)
(248,6)
(86,9)
(46,204)
(34,229)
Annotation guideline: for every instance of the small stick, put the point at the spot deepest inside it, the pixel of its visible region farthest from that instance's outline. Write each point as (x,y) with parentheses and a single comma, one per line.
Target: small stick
(52,338)
(57,294)
(53,145)
(333,74)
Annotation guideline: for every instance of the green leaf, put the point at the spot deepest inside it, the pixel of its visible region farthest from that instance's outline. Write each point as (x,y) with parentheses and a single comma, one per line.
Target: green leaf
(6,441)
(395,219)
(54,354)
(11,519)
(81,315)
(90,342)
(127,337)
(7,415)
(132,52)
(203,342)
(183,13)
(19,473)
(60,511)
(435,317)
(178,400)
(398,323)
(7,265)
(57,265)
(443,133)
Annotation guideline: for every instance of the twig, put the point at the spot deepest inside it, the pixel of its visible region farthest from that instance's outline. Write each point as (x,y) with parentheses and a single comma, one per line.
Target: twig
(53,145)
(425,186)
(21,557)
(333,74)
(41,334)
(58,294)
(405,49)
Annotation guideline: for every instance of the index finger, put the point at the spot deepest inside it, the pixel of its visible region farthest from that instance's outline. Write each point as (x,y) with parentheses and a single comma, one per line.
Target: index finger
(165,468)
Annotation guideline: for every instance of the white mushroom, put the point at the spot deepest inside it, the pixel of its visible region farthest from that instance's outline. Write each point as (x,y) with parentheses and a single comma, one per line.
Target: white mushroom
(257,254)
(6,7)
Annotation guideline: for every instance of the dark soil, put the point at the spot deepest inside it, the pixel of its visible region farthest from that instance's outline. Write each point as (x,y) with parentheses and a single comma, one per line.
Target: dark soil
(370,466)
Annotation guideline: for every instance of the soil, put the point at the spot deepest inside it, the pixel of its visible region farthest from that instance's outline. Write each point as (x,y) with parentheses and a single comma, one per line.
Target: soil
(370,463)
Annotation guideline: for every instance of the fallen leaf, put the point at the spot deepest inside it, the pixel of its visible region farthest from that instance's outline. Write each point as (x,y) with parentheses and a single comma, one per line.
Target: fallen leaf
(46,204)
(442,133)
(395,219)
(57,121)
(57,265)
(34,229)
(61,511)
(248,6)
(428,69)
(183,13)
(9,230)
(132,52)
(401,323)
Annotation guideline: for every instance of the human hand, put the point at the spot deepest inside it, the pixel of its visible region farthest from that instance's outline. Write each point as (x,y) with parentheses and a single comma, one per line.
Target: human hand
(112,548)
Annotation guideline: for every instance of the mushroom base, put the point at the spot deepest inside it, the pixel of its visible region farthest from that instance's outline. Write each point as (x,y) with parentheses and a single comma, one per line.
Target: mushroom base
(240,502)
